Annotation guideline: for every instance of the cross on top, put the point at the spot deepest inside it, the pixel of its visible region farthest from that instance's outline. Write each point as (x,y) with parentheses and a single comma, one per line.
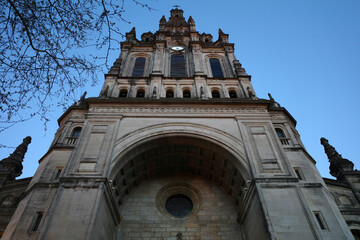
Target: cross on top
(176,6)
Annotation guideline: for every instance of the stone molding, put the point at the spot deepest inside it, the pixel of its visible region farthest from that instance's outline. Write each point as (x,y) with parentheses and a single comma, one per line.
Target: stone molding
(178,109)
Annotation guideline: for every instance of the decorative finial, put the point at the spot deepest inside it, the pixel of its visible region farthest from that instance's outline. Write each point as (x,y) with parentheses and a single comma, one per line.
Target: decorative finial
(271,98)
(13,163)
(191,20)
(176,6)
(273,103)
(163,19)
(82,99)
(338,164)
(330,151)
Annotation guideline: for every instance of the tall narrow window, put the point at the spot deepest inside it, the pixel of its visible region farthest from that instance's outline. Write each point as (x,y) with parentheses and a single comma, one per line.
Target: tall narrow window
(320,220)
(123,93)
(140,93)
(35,225)
(232,94)
(186,94)
(177,66)
(169,93)
(299,173)
(215,94)
(139,66)
(216,68)
(57,173)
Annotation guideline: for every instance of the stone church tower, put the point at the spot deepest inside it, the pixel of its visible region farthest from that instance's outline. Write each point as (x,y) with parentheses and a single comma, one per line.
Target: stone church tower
(178,146)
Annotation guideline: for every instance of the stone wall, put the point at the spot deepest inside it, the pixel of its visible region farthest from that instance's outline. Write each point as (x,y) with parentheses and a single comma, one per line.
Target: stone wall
(213,217)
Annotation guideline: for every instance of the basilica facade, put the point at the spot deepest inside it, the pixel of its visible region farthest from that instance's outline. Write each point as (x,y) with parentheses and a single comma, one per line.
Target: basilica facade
(178,146)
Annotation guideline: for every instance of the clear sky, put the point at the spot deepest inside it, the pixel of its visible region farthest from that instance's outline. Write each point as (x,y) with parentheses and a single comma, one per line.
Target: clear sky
(306,53)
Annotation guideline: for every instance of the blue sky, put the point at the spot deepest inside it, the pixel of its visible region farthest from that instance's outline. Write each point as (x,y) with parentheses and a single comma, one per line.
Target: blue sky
(306,53)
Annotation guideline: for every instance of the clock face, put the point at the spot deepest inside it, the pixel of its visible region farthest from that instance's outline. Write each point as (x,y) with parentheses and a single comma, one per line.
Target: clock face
(177,48)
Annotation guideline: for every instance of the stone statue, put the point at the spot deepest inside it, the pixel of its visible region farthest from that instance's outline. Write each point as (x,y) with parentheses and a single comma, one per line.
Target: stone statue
(105,92)
(250,93)
(154,92)
(202,93)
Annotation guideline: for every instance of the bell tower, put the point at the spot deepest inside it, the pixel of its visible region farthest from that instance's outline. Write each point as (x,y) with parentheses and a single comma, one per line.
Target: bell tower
(177,146)
(176,60)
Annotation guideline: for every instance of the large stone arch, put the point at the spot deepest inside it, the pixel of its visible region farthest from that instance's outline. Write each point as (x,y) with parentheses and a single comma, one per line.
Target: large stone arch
(134,139)
(181,154)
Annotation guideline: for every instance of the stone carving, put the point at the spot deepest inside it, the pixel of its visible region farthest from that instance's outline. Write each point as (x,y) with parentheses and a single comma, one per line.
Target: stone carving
(278,116)
(77,115)
(154,92)
(250,93)
(202,93)
(177,109)
(105,92)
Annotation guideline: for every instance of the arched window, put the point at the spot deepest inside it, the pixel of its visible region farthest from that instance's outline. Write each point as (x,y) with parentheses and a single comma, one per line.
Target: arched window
(140,93)
(215,94)
(123,93)
(283,139)
(186,93)
(139,66)
(169,93)
(178,66)
(280,133)
(76,132)
(232,94)
(216,68)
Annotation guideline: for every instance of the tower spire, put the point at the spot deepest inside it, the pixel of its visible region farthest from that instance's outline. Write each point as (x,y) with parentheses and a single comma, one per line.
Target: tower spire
(338,164)
(13,163)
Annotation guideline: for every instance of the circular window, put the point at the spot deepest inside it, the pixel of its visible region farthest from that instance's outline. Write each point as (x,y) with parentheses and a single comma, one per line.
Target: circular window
(179,205)
(178,201)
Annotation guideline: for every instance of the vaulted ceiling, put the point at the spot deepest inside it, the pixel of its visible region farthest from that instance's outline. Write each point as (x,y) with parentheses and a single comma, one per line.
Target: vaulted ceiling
(179,156)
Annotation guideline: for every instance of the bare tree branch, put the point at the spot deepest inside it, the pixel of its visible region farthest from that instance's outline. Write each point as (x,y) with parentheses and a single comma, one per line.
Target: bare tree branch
(42,46)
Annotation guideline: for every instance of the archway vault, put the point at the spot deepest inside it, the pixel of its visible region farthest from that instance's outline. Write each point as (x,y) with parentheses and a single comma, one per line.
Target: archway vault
(175,153)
